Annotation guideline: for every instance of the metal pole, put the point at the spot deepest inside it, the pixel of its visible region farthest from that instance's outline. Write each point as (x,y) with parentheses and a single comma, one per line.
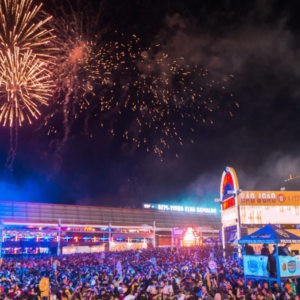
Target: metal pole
(278,266)
(154,242)
(1,236)
(238,227)
(58,236)
(109,236)
(172,237)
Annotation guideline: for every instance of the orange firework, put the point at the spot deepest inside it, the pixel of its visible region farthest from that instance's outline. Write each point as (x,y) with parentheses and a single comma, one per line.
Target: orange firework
(23,26)
(25,84)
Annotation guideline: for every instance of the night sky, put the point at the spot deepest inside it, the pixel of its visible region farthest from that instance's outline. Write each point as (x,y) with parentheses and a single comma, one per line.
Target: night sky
(256,41)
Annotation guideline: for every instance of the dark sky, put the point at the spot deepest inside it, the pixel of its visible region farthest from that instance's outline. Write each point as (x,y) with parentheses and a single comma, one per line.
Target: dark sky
(257,41)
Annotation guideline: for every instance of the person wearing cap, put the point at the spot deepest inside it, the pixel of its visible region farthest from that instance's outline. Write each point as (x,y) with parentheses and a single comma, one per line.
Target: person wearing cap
(286,250)
(249,289)
(265,250)
(240,290)
(288,292)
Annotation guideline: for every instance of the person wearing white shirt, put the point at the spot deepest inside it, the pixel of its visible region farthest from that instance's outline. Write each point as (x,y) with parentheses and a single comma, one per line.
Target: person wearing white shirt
(167,289)
(180,296)
(129,296)
(151,289)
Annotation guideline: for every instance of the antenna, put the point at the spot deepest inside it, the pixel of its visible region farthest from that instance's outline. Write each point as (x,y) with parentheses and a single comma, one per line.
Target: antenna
(292,178)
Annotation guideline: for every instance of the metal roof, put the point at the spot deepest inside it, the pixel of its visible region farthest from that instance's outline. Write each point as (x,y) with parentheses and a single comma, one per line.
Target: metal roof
(26,212)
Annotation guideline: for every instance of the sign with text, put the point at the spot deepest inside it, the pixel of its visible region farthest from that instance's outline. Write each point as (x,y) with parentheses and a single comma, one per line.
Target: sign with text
(289,266)
(263,198)
(229,186)
(255,265)
(269,214)
(229,217)
(178,232)
(180,208)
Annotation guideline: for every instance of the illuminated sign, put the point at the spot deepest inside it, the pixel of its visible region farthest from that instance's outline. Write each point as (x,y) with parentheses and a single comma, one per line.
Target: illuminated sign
(190,234)
(228,188)
(190,237)
(180,208)
(229,217)
(257,198)
(88,229)
(269,214)
(228,203)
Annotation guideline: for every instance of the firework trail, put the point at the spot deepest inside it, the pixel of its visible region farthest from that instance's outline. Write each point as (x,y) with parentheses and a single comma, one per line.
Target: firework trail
(13,148)
(24,80)
(25,84)
(81,66)
(148,96)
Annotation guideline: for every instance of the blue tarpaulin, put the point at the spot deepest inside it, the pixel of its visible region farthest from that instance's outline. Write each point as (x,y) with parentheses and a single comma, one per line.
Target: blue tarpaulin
(270,234)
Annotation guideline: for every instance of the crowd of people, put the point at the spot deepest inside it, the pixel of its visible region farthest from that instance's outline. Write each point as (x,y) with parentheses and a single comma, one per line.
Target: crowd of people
(149,274)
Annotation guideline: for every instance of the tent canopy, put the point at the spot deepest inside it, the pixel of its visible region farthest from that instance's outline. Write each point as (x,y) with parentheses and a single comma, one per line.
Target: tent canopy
(270,234)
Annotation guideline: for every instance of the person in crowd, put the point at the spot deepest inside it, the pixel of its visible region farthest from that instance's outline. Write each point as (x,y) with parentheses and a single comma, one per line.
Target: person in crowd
(265,250)
(176,275)
(249,250)
(286,250)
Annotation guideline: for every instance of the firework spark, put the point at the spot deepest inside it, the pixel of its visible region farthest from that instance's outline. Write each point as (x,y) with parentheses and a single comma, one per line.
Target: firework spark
(81,66)
(148,96)
(162,97)
(25,84)
(23,26)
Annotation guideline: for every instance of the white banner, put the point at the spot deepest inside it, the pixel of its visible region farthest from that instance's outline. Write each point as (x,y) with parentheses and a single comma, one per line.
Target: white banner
(269,214)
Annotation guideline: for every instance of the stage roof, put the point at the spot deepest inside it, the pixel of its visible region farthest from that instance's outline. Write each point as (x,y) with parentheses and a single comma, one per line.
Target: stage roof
(48,214)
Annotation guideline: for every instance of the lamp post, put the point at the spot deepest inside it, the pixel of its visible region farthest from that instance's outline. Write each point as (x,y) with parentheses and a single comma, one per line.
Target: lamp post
(1,234)
(58,236)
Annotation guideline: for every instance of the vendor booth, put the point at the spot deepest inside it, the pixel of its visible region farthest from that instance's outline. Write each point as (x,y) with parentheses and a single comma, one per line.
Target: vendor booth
(273,267)
(244,211)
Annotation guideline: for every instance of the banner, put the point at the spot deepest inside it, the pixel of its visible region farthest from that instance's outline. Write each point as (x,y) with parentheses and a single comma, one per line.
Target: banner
(231,236)
(229,217)
(255,265)
(267,214)
(119,268)
(263,198)
(44,287)
(289,265)
(212,265)
(180,208)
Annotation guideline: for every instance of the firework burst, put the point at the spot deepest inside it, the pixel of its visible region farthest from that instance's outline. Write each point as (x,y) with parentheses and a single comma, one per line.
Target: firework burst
(81,66)
(23,26)
(159,98)
(25,84)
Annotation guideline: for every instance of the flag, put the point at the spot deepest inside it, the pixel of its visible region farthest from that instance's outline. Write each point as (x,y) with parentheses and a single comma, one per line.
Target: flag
(44,287)
(208,278)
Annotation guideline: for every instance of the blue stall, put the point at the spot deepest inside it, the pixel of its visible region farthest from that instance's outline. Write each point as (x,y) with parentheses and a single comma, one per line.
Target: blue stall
(256,266)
